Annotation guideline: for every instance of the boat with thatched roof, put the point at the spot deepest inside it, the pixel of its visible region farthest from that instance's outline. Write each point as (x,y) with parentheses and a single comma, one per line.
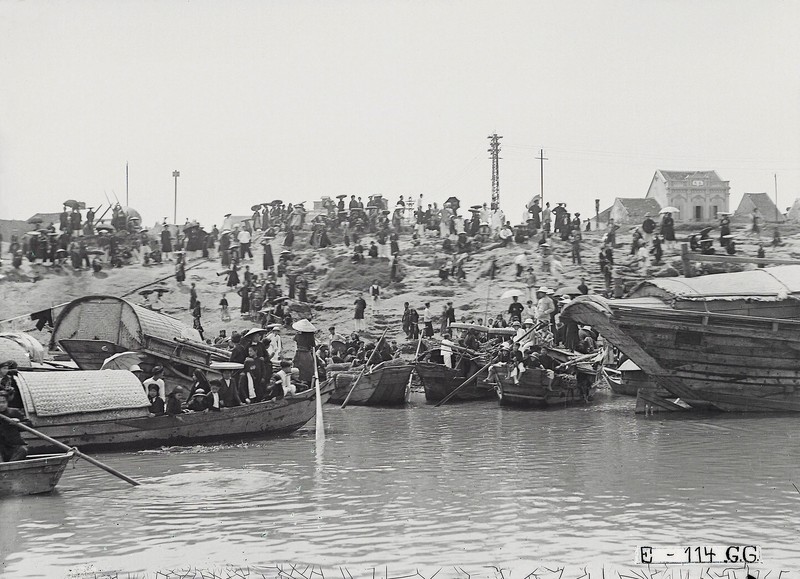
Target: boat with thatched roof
(93,328)
(726,341)
(109,409)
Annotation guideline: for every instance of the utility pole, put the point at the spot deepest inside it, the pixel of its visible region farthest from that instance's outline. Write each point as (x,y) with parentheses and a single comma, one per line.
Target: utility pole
(176,174)
(777,214)
(542,159)
(494,149)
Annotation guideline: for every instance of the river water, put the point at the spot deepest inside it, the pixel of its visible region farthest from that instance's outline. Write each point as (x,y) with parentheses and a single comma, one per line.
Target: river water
(469,485)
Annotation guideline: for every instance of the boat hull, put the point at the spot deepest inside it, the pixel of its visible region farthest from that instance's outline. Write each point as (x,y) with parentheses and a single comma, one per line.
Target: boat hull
(35,475)
(273,418)
(708,360)
(539,388)
(384,385)
(439,381)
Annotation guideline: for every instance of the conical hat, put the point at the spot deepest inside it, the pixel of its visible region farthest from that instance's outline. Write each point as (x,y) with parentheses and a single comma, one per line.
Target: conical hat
(304,326)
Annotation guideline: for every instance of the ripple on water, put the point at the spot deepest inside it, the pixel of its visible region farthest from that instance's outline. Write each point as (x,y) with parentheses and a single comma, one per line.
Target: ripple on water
(471,485)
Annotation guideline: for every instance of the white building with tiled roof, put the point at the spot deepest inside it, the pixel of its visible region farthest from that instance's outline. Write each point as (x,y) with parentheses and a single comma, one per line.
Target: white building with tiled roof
(699,195)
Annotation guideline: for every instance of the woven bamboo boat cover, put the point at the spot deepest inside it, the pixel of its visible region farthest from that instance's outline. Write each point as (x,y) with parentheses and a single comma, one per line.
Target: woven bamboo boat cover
(90,391)
(10,350)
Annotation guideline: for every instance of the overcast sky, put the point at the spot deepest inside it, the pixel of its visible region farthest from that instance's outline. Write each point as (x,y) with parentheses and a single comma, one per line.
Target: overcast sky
(294,99)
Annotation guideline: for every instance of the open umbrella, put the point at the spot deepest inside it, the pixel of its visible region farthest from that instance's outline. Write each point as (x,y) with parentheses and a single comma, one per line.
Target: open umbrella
(276,202)
(670,210)
(508,294)
(34,220)
(255,207)
(568,290)
(121,361)
(254,332)
(342,196)
(72,204)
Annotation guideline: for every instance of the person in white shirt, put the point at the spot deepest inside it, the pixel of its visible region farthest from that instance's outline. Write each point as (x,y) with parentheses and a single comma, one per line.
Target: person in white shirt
(285,377)
(544,306)
(244,244)
(158,379)
(427,319)
(275,347)
(521,261)
(447,350)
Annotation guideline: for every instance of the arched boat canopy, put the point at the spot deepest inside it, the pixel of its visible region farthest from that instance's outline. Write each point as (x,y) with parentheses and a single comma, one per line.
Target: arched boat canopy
(118,321)
(70,397)
(769,284)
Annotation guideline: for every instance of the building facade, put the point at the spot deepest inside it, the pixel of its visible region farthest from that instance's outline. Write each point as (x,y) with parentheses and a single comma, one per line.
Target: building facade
(698,195)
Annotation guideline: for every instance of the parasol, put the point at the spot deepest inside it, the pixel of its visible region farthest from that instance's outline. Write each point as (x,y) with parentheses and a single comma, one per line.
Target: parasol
(255,207)
(226,366)
(121,361)
(254,331)
(276,202)
(670,210)
(342,196)
(72,204)
(33,220)
(511,293)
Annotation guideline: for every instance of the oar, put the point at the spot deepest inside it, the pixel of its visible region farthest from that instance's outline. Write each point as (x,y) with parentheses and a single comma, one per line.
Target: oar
(320,426)
(78,453)
(411,376)
(464,383)
(364,369)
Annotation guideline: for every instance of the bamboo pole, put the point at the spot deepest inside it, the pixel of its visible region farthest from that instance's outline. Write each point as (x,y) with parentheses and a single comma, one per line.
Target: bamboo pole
(364,369)
(78,453)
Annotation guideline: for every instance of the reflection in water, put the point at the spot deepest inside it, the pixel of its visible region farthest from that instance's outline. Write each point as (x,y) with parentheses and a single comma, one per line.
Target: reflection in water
(468,484)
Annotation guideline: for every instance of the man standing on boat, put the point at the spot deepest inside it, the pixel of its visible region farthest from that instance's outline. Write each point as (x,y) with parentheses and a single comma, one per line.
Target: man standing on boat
(12,447)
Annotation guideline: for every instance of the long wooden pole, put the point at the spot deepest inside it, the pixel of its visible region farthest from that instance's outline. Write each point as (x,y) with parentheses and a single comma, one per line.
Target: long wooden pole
(364,369)
(78,453)
(320,426)
(475,375)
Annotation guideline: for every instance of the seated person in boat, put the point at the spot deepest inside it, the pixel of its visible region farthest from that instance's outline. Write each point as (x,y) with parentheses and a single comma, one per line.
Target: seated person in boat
(175,401)
(157,407)
(197,403)
(284,378)
(8,383)
(228,390)
(246,383)
(12,447)
(156,378)
(213,400)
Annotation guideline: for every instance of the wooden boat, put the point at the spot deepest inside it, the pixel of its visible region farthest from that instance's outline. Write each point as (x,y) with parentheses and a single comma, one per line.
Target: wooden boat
(108,409)
(35,475)
(438,380)
(726,342)
(383,385)
(540,388)
(626,379)
(92,328)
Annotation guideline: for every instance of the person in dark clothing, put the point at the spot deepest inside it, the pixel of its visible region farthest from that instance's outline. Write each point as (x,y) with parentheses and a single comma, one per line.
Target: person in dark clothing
(175,401)
(157,407)
(239,352)
(12,446)
(515,309)
(8,383)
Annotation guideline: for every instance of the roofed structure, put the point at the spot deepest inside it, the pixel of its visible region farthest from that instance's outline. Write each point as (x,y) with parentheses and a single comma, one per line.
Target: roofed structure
(767,209)
(698,195)
(630,210)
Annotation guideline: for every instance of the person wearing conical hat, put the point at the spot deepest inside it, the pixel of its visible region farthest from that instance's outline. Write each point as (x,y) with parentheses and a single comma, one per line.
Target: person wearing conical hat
(304,356)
